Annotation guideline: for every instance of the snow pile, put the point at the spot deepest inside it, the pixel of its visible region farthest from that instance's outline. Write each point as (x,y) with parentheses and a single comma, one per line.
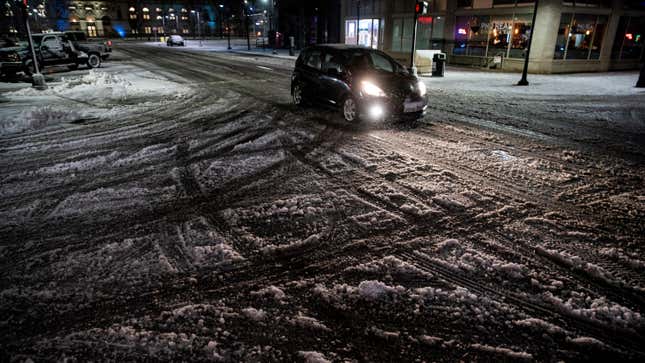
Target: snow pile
(371,290)
(35,118)
(254,314)
(578,263)
(503,351)
(456,256)
(106,88)
(375,290)
(308,322)
(389,265)
(205,245)
(313,357)
(596,309)
(539,325)
(97,95)
(272,291)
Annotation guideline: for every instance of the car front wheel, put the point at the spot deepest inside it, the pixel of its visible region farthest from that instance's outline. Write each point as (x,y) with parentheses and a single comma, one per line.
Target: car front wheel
(350,109)
(296,94)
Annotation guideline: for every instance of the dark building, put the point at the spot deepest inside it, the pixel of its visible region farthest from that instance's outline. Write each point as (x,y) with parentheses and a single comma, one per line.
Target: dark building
(310,22)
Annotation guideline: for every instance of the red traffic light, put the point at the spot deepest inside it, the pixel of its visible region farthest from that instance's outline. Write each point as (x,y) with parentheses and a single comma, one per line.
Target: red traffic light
(421,8)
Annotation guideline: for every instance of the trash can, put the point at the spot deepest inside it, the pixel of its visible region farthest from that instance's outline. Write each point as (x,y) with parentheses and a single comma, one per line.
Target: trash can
(439,64)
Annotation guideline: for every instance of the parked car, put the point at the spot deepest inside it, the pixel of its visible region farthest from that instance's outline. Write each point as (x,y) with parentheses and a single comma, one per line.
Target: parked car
(364,83)
(90,45)
(175,40)
(10,62)
(58,49)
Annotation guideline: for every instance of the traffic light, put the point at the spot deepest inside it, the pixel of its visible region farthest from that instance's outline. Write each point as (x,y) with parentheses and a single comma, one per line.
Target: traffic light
(421,8)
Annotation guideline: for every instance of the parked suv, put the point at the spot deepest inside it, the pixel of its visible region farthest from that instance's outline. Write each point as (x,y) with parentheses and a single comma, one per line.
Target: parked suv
(365,83)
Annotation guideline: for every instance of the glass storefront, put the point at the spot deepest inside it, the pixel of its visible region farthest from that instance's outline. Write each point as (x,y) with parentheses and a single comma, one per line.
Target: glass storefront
(429,33)
(580,36)
(628,43)
(490,36)
(365,33)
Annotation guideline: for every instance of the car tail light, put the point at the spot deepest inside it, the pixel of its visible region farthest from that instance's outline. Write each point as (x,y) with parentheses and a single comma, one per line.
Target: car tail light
(109,43)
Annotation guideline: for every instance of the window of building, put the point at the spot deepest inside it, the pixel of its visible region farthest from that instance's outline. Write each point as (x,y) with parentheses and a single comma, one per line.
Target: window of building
(580,36)
(146,13)
(365,32)
(91,30)
(472,35)
(632,38)
(147,30)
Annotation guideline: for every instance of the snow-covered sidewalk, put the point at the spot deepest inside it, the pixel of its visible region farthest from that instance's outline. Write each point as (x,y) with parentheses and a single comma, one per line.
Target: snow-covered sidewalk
(468,80)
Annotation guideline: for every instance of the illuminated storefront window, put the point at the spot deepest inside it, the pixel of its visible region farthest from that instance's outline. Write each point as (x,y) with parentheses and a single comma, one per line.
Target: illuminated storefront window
(365,33)
(580,36)
(490,36)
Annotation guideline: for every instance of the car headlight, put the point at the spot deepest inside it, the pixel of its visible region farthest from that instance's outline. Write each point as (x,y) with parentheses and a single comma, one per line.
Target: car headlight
(422,88)
(371,89)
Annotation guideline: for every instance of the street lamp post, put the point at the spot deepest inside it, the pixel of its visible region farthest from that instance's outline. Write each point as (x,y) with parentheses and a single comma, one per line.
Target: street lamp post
(525,71)
(199,29)
(37,79)
(358,22)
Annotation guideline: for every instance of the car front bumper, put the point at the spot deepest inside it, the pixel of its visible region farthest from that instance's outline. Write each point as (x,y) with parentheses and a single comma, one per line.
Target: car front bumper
(379,108)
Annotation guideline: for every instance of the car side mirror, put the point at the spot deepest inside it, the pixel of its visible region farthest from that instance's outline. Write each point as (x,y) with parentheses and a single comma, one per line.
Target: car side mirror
(44,47)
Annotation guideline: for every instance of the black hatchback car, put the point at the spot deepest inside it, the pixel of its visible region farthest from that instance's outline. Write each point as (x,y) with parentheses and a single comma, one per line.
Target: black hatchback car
(364,83)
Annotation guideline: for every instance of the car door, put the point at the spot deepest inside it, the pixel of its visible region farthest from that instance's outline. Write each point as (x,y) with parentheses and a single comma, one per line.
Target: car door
(52,50)
(332,84)
(311,72)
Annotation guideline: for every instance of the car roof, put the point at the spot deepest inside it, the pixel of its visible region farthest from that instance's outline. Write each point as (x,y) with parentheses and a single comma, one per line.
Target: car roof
(341,46)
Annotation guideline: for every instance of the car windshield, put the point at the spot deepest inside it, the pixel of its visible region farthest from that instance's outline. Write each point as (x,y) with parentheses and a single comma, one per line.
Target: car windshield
(373,61)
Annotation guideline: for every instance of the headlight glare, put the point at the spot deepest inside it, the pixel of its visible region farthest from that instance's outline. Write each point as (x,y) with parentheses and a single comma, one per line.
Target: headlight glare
(371,89)
(422,88)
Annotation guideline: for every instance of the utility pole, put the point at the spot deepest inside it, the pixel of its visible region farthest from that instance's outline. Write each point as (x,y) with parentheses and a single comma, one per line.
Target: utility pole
(525,71)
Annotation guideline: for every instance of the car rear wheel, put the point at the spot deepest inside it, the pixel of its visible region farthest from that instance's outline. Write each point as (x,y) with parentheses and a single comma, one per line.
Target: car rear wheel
(296,94)
(350,109)
(94,61)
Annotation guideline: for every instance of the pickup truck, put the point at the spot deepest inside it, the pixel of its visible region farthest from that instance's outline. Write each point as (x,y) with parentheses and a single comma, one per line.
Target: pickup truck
(51,49)
(90,45)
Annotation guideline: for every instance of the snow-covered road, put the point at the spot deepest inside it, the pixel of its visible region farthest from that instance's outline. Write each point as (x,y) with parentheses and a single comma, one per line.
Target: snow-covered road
(211,220)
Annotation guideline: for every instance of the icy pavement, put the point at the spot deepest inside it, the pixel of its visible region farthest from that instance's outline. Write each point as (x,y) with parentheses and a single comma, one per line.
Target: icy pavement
(227,225)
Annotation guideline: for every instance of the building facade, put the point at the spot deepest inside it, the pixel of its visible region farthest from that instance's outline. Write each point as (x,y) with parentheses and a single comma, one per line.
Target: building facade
(569,36)
(120,18)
